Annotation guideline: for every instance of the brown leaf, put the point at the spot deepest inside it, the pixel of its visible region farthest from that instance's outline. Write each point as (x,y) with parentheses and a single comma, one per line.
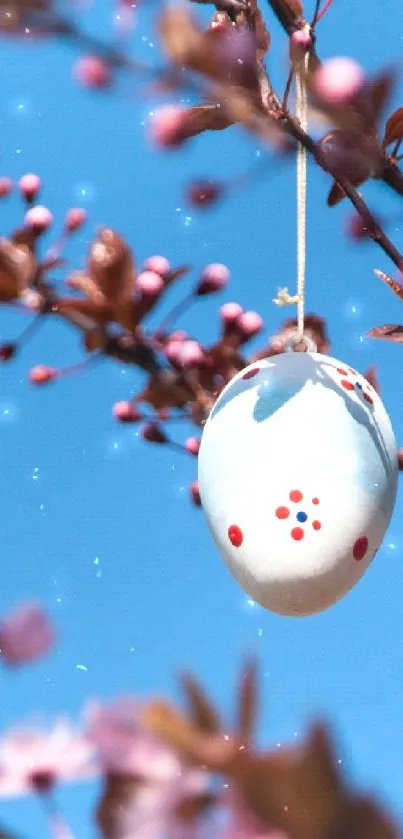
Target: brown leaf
(182,38)
(17,269)
(110,265)
(363,819)
(202,711)
(400,459)
(388,332)
(394,128)
(260,29)
(394,285)
(247,702)
(201,118)
(380,91)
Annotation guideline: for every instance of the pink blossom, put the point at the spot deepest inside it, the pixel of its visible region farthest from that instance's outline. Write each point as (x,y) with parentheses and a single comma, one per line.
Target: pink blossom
(6,186)
(93,72)
(26,634)
(300,43)
(149,283)
(126,412)
(41,374)
(33,761)
(214,278)
(39,218)
(230,312)
(163,780)
(158,264)
(250,323)
(75,218)
(190,354)
(339,80)
(166,126)
(192,445)
(29,186)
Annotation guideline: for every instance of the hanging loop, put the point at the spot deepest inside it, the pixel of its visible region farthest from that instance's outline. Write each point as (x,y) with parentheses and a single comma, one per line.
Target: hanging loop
(298,340)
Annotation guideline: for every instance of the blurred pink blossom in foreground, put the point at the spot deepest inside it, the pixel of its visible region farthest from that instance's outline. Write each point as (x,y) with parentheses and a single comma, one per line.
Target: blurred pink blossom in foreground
(26,634)
(164,782)
(34,761)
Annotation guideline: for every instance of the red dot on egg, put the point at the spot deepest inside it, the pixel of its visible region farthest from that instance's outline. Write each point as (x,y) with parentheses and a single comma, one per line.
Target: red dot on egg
(347,385)
(297,533)
(235,535)
(282,512)
(316,525)
(360,548)
(251,373)
(368,398)
(315,500)
(296,496)
(342,371)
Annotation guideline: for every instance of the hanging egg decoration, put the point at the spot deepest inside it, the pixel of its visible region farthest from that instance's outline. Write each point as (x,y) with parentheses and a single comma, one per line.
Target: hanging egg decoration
(298,476)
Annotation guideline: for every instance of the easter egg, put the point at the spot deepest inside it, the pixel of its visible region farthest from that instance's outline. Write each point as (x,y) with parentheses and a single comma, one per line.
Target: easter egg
(298,475)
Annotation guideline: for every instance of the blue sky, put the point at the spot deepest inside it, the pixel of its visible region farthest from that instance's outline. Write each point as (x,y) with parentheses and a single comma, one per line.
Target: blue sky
(97,523)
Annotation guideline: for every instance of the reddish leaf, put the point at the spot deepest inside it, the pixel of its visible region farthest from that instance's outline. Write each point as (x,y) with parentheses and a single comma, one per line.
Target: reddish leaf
(202,711)
(204,118)
(289,12)
(400,459)
(388,332)
(110,265)
(380,90)
(372,378)
(247,702)
(394,128)
(394,285)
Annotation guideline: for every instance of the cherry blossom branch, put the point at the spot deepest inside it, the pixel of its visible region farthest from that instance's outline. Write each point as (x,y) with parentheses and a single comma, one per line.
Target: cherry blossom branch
(375,231)
(291,21)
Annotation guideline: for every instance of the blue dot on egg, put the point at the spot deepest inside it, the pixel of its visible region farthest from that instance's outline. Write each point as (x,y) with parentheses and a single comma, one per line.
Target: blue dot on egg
(359,386)
(302,516)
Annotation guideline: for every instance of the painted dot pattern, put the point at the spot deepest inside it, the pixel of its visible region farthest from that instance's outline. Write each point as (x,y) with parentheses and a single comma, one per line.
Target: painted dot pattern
(283,512)
(235,535)
(349,385)
(251,373)
(360,548)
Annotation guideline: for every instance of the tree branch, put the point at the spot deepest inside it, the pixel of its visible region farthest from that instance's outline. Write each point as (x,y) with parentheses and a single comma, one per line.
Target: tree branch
(288,14)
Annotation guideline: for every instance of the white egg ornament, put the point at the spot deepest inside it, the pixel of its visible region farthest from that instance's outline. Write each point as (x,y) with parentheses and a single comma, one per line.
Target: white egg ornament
(298,475)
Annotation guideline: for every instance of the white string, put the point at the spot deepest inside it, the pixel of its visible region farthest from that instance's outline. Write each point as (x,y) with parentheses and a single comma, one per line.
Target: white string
(283,297)
(302,115)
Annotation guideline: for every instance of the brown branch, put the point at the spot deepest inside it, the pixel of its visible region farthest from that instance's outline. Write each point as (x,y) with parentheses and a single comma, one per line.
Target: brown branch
(287,13)
(375,231)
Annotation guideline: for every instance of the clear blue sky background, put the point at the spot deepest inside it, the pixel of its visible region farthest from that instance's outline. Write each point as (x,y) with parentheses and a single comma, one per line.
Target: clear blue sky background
(97,523)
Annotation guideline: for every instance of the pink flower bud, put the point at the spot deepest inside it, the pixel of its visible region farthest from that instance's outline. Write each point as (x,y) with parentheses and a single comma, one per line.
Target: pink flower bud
(339,80)
(6,186)
(300,44)
(149,284)
(230,312)
(250,323)
(157,264)
(41,375)
(190,354)
(38,218)
(192,445)
(75,218)
(214,278)
(153,433)
(93,72)
(26,634)
(126,412)
(29,186)
(195,493)
(172,351)
(166,126)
